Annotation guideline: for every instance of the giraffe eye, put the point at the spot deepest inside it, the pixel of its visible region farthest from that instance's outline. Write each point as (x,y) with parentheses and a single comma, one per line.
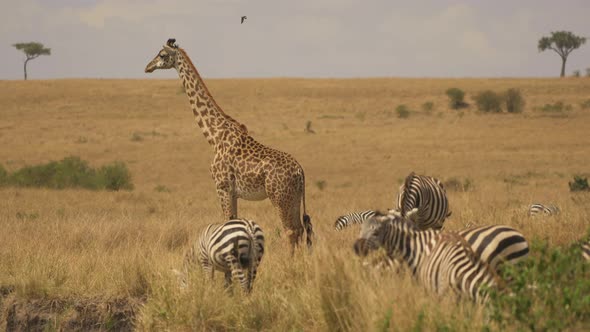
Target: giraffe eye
(162,56)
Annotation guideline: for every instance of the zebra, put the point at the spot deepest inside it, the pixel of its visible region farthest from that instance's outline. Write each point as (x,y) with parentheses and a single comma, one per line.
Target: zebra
(537,209)
(586,250)
(441,261)
(426,199)
(495,245)
(235,248)
(353,218)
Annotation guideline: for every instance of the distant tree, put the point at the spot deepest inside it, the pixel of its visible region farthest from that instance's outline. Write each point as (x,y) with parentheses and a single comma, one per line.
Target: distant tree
(32,50)
(563,43)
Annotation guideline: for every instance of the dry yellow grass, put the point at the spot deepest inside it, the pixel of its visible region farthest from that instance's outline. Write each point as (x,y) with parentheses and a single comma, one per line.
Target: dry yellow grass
(77,243)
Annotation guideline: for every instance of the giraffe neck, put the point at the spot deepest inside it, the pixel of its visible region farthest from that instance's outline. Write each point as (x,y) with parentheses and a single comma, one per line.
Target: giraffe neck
(214,123)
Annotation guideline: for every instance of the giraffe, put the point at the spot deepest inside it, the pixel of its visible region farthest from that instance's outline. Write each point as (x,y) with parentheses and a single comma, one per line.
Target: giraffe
(241,167)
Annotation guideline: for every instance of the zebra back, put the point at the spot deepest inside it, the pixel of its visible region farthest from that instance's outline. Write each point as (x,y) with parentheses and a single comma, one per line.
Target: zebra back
(496,244)
(425,198)
(352,218)
(537,209)
(452,264)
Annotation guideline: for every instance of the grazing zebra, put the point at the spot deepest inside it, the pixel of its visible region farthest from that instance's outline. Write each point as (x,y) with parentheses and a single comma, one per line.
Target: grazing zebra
(540,209)
(234,248)
(425,198)
(586,250)
(441,261)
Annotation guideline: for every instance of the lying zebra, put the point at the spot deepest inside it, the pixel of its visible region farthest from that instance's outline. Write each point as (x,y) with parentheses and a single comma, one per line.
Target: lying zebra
(537,209)
(441,261)
(495,244)
(234,248)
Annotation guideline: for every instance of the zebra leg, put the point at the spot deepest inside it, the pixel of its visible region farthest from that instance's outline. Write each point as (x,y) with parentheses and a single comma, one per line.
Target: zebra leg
(235,273)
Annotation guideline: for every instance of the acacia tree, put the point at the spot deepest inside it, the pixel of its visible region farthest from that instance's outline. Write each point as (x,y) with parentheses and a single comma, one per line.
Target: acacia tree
(563,43)
(32,50)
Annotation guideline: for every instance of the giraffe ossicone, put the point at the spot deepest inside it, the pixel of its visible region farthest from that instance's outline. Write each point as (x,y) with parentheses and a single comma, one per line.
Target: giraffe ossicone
(241,167)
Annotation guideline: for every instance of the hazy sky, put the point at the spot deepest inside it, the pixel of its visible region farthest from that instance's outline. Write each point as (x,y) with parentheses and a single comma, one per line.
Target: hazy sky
(302,38)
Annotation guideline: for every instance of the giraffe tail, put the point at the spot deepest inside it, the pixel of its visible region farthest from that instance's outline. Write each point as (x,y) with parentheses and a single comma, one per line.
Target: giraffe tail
(306,218)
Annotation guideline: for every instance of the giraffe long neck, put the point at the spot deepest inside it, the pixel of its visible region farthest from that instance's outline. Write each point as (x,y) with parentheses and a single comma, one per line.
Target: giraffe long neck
(209,116)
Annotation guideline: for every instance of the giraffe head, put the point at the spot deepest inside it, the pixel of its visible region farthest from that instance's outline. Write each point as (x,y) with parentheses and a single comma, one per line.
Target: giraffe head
(165,59)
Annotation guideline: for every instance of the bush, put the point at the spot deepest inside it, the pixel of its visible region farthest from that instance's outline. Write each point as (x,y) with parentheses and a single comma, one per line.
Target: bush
(115,176)
(548,291)
(70,172)
(3,175)
(514,101)
(576,73)
(488,101)
(557,107)
(428,107)
(456,98)
(587,72)
(579,184)
(585,104)
(402,112)
(456,184)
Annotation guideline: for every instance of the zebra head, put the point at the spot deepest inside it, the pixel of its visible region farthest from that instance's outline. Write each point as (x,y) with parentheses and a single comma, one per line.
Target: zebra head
(371,236)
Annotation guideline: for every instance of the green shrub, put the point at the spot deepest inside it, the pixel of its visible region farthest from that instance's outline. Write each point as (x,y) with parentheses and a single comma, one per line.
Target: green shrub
(115,176)
(579,184)
(428,107)
(587,72)
(456,184)
(3,175)
(556,107)
(70,172)
(514,101)
(576,73)
(402,111)
(488,101)
(456,98)
(585,104)
(549,291)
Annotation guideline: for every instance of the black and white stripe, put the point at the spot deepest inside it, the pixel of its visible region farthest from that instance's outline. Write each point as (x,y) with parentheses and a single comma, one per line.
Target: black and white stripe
(537,209)
(234,248)
(442,261)
(353,218)
(494,244)
(423,199)
(586,250)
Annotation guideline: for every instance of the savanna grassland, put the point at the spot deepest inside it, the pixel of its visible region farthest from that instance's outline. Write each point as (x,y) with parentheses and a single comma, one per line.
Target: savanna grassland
(81,259)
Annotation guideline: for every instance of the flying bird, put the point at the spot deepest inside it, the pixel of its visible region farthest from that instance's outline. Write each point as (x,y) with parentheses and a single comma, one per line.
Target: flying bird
(243,19)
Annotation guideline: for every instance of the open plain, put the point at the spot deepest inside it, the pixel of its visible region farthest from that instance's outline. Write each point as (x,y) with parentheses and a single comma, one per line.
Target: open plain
(80,259)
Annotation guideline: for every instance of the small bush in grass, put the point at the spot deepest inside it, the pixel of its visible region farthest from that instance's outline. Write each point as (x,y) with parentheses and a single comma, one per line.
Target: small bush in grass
(456,98)
(587,72)
(514,101)
(3,175)
(428,107)
(456,184)
(579,184)
(549,291)
(115,176)
(402,111)
(556,107)
(585,104)
(576,73)
(488,101)
(70,172)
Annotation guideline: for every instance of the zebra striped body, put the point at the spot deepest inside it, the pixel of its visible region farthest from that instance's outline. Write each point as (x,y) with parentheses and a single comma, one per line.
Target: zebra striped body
(440,261)
(494,244)
(234,248)
(586,250)
(424,200)
(353,218)
(540,209)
